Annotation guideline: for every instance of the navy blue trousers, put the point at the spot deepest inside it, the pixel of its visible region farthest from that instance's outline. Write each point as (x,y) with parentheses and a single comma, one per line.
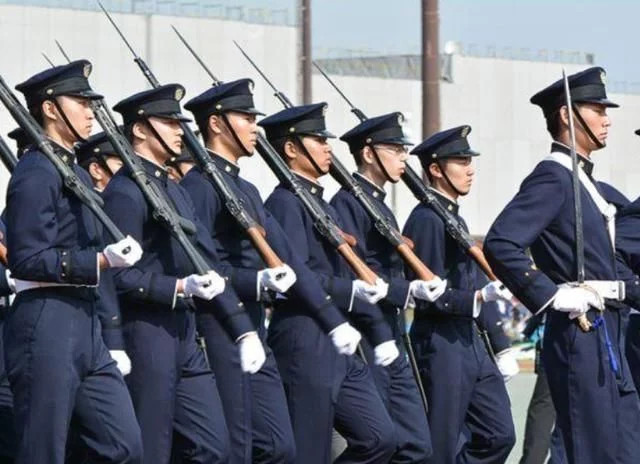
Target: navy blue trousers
(7,426)
(597,409)
(465,390)
(58,366)
(326,390)
(399,392)
(255,406)
(633,348)
(173,390)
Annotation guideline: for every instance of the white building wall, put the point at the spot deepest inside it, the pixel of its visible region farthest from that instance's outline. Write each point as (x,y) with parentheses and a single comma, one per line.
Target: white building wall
(489,94)
(492,96)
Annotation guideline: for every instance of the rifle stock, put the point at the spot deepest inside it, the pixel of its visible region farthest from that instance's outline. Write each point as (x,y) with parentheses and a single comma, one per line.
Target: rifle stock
(202,158)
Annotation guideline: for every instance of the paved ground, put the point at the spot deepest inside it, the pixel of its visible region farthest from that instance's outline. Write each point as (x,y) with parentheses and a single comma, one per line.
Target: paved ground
(520,389)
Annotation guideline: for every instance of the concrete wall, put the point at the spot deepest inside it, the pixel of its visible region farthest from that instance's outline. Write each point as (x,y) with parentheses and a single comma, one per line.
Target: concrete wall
(489,94)
(26,32)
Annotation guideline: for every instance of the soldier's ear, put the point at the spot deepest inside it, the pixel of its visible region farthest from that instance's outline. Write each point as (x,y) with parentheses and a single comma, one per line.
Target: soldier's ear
(215,123)
(96,172)
(290,150)
(435,171)
(139,131)
(366,155)
(49,110)
(563,114)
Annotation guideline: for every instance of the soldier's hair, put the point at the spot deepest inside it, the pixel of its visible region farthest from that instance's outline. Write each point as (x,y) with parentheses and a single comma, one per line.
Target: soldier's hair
(427,172)
(357,156)
(203,127)
(36,112)
(553,123)
(128,131)
(279,143)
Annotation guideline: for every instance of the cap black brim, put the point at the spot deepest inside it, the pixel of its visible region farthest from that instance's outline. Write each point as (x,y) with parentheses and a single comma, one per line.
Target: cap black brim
(173,116)
(320,133)
(90,94)
(248,111)
(397,141)
(600,101)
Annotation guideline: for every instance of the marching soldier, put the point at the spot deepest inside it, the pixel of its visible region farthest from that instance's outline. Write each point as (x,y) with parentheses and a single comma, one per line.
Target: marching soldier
(597,407)
(379,149)
(56,361)
(324,388)
(173,390)
(255,406)
(629,256)
(98,157)
(444,334)
(19,136)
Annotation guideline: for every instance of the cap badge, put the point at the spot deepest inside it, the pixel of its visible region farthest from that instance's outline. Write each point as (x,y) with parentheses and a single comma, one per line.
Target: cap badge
(250,86)
(179,93)
(464,132)
(86,70)
(603,77)
(324,110)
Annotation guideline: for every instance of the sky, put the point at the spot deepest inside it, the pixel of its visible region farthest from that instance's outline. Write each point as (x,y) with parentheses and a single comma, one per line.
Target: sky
(607,28)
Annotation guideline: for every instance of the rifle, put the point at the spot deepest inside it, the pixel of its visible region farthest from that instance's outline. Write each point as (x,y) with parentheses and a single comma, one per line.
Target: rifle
(8,158)
(453,227)
(323,223)
(384,227)
(70,179)
(346,180)
(200,155)
(162,210)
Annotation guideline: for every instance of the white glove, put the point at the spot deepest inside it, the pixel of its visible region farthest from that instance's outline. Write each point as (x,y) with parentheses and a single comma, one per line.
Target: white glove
(576,301)
(370,293)
(124,253)
(507,364)
(345,338)
(206,286)
(495,290)
(385,353)
(10,281)
(252,355)
(428,290)
(278,279)
(122,361)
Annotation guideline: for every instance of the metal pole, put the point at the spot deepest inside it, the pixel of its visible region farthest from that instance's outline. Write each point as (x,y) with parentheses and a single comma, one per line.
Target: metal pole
(305,50)
(430,68)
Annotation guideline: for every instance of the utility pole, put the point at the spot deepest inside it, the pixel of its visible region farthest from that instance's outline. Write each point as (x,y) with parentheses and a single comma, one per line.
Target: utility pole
(430,68)
(305,50)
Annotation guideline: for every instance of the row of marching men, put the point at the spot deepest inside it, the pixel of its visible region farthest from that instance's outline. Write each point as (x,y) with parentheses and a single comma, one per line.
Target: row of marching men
(100,344)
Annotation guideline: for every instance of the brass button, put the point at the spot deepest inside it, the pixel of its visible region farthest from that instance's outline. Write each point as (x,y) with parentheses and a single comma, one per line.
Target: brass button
(526,274)
(227,168)
(157,173)
(141,290)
